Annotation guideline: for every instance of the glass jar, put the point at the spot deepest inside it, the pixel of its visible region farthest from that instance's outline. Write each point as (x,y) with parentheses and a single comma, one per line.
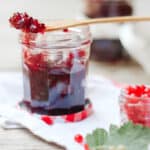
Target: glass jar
(134,109)
(55,66)
(106,45)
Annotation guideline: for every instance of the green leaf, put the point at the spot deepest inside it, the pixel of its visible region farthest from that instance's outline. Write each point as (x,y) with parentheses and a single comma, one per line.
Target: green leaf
(99,137)
(129,136)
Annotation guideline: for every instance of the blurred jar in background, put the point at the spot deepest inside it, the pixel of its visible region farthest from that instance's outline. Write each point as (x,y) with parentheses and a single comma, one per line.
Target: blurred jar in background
(107,8)
(106,45)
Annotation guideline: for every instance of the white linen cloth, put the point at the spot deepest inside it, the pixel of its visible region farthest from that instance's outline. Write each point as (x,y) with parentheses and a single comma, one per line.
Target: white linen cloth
(103,94)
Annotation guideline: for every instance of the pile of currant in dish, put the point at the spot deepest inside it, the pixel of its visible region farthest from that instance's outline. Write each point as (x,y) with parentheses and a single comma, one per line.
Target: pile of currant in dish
(135,104)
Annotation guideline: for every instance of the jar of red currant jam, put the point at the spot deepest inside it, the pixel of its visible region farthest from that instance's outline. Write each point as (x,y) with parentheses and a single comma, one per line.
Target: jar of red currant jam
(135,105)
(55,66)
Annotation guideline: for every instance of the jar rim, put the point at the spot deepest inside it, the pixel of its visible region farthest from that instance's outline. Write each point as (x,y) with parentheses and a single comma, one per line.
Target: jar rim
(75,37)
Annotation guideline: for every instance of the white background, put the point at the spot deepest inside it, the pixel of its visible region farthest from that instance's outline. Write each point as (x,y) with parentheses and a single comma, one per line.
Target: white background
(10,51)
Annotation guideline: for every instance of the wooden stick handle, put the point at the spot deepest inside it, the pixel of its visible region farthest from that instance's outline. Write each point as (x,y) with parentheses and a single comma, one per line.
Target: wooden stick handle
(115,20)
(96,21)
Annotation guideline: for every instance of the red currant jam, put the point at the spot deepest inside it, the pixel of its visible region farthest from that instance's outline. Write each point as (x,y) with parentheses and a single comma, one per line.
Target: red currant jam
(25,23)
(54,82)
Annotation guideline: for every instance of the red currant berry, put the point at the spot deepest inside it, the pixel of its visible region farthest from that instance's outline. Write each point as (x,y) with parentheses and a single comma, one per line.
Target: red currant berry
(47,120)
(138,91)
(143,87)
(78,138)
(71,56)
(130,90)
(81,53)
(86,147)
(70,118)
(65,30)
(69,61)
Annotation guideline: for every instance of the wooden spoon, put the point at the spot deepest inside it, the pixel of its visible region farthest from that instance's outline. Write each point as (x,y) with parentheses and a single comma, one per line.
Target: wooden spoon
(59,25)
